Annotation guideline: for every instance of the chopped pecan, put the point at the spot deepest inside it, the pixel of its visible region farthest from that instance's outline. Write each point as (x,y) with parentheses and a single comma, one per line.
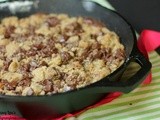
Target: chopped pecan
(47,52)
(96,45)
(77,28)
(6,64)
(74,80)
(91,21)
(85,54)
(65,37)
(26,67)
(43,63)
(9,31)
(94,54)
(106,54)
(65,56)
(10,85)
(73,29)
(52,21)
(120,55)
(56,86)
(94,36)
(48,86)
(63,76)
(25,82)
(38,46)
(58,73)
(31,53)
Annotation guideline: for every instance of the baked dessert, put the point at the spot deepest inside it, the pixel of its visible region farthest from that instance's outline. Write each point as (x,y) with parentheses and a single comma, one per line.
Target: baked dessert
(45,54)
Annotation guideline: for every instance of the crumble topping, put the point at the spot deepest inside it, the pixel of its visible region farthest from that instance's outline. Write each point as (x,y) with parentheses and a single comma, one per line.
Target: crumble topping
(52,53)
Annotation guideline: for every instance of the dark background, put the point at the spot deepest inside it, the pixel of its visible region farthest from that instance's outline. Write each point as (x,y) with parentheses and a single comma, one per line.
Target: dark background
(141,14)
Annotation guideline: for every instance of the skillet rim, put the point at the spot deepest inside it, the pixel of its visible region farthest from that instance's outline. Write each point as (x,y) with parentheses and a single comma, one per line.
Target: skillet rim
(124,65)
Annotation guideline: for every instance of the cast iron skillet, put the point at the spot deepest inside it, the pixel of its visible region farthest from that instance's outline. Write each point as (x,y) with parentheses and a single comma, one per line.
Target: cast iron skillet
(78,99)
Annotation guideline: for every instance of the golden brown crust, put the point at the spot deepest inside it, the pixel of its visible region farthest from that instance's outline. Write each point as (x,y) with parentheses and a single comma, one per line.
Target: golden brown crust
(51,53)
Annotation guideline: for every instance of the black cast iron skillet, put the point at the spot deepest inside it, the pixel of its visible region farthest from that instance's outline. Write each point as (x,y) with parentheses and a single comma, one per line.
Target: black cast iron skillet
(74,100)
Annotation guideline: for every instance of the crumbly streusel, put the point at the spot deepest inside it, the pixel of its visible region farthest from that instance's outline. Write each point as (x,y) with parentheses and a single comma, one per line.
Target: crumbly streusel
(51,53)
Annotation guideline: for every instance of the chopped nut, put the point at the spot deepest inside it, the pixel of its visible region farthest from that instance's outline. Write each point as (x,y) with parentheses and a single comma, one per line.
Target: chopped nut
(50,73)
(6,64)
(4,42)
(65,56)
(43,63)
(19,89)
(9,76)
(27,91)
(37,88)
(39,74)
(11,48)
(53,21)
(13,66)
(58,46)
(26,81)
(44,30)
(119,54)
(48,86)
(11,86)
(55,61)
(9,31)
(67,88)
(42,93)
(73,29)
(91,21)
(45,54)
(1,63)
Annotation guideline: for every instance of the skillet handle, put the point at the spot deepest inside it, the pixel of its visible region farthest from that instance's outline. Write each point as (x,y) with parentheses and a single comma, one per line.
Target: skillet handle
(130,84)
(139,76)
